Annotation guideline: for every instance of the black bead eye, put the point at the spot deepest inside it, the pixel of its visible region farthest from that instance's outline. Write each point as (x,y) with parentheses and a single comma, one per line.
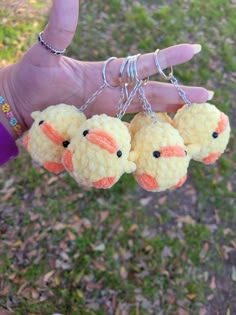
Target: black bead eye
(156,154)
(85,133)
(119,153)
(41,122)
(65,144)
(186,153)
(215,135)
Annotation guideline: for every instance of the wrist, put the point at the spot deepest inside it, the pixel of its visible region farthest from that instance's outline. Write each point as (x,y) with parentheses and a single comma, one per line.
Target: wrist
(9,113)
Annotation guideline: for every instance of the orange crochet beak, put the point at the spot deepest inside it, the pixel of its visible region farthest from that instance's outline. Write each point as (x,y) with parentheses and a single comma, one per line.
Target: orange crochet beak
(172,151)
(52,133)
(103,140)
(222,125)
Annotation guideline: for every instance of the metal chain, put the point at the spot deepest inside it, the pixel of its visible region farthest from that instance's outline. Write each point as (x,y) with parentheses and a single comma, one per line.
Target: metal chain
(129,100)
(92,98)
(146,105)
(101,88)
(125,99)
(124,95)
(170,77)
(181,92)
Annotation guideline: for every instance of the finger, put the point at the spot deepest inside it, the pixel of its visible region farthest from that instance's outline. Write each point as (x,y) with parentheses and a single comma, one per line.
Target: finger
(62,23)
(58,33)
(167,57)
(146,66)
(164,96)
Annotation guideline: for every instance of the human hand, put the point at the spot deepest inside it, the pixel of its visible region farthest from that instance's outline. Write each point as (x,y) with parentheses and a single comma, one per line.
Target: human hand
(41,79)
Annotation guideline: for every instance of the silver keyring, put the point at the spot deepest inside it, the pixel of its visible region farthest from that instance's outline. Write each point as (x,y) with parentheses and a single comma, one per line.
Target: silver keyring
(104,72)
(132,72)
(162,73)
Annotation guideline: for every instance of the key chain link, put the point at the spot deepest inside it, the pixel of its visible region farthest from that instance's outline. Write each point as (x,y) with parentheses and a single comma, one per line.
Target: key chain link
(170,77)
(101,88)
(131,68)
(133,79)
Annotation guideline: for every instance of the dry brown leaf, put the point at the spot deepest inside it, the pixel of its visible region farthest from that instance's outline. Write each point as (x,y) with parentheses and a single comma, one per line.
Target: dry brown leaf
(71,236)
(217,217)
(228,231)
(48,276)
(162,200)
(80,294)
(103,215)
(59,226)
(145,201)
(52,180)
(8,194)
(123,273)
(86,223)
(99,248)
(203,311)
(133,228)
(191,296)
(100,265)
(213,283)
(4,288)
(35,294)
(4,312)
(204,251)
(229,186)
(182,311)
(149,249)
(226,250)
(34,216)
(186,219)
(171,298)
(75,197)
(93,286)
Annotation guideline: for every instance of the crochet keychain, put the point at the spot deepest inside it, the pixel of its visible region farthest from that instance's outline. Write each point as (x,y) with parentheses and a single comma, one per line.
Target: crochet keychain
(157,149)
(204,128)
(98,154)
(53,129)
(50,134)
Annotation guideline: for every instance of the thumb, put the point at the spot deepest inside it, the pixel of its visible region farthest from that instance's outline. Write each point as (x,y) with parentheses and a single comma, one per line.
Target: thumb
(58,33)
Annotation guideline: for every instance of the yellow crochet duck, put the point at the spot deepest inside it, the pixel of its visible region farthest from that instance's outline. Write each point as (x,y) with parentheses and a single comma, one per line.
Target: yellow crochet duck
(205,130)
(51,133)
(142,119)
(98,154)
(159,153)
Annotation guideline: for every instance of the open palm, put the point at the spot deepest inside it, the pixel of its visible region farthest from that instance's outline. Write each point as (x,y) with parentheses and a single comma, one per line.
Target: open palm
(42,79)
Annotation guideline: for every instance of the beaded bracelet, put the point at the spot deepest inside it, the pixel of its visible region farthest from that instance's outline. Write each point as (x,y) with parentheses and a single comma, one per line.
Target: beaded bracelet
(49,47)
(6,109)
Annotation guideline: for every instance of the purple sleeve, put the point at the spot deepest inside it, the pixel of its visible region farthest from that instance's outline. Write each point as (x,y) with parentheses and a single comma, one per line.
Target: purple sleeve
(8,147)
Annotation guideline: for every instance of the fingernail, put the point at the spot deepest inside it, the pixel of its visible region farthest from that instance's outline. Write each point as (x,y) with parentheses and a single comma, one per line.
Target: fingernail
(210,95)
(196,48)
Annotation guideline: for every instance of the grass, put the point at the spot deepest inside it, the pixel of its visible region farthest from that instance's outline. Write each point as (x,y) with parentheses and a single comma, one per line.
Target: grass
(74,251)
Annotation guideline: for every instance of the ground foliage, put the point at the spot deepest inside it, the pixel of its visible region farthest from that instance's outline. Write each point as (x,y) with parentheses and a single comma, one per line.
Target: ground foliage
(124,251)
